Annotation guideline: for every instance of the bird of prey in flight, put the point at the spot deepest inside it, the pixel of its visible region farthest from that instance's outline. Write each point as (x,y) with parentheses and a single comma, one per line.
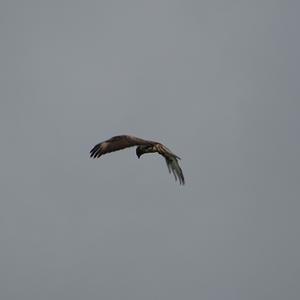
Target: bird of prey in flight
(143,146)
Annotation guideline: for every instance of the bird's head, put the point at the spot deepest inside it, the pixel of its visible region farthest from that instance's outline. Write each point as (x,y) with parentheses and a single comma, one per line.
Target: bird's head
(142,149)
(139,151)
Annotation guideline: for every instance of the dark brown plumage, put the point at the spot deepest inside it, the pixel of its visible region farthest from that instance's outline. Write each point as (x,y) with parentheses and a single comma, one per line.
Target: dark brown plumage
(143,146)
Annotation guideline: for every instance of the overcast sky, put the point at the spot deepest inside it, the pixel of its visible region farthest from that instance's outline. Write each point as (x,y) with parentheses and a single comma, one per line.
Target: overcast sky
(217,82)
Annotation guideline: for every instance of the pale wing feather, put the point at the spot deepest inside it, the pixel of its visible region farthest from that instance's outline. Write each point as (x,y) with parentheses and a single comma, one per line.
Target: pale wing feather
(172,162)
(173,167)
(164,151)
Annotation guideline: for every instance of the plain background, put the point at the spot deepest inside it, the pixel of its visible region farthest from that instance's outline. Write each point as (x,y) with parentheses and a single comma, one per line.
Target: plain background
(217,82)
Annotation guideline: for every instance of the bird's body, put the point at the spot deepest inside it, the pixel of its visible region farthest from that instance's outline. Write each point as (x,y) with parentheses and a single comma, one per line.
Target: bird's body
(143,146)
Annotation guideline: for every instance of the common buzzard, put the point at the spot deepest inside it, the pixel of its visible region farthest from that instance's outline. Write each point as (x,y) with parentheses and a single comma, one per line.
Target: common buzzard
(143,146)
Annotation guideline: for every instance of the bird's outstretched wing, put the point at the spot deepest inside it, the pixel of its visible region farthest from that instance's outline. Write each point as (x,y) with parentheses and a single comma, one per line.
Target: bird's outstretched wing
(172,162)
(173,167)
(116,143)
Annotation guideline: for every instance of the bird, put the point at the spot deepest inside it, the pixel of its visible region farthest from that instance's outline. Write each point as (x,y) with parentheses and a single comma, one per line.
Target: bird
(120,142)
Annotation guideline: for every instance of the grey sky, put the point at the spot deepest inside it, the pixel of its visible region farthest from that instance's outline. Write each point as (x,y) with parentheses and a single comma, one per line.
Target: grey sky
(217,82)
